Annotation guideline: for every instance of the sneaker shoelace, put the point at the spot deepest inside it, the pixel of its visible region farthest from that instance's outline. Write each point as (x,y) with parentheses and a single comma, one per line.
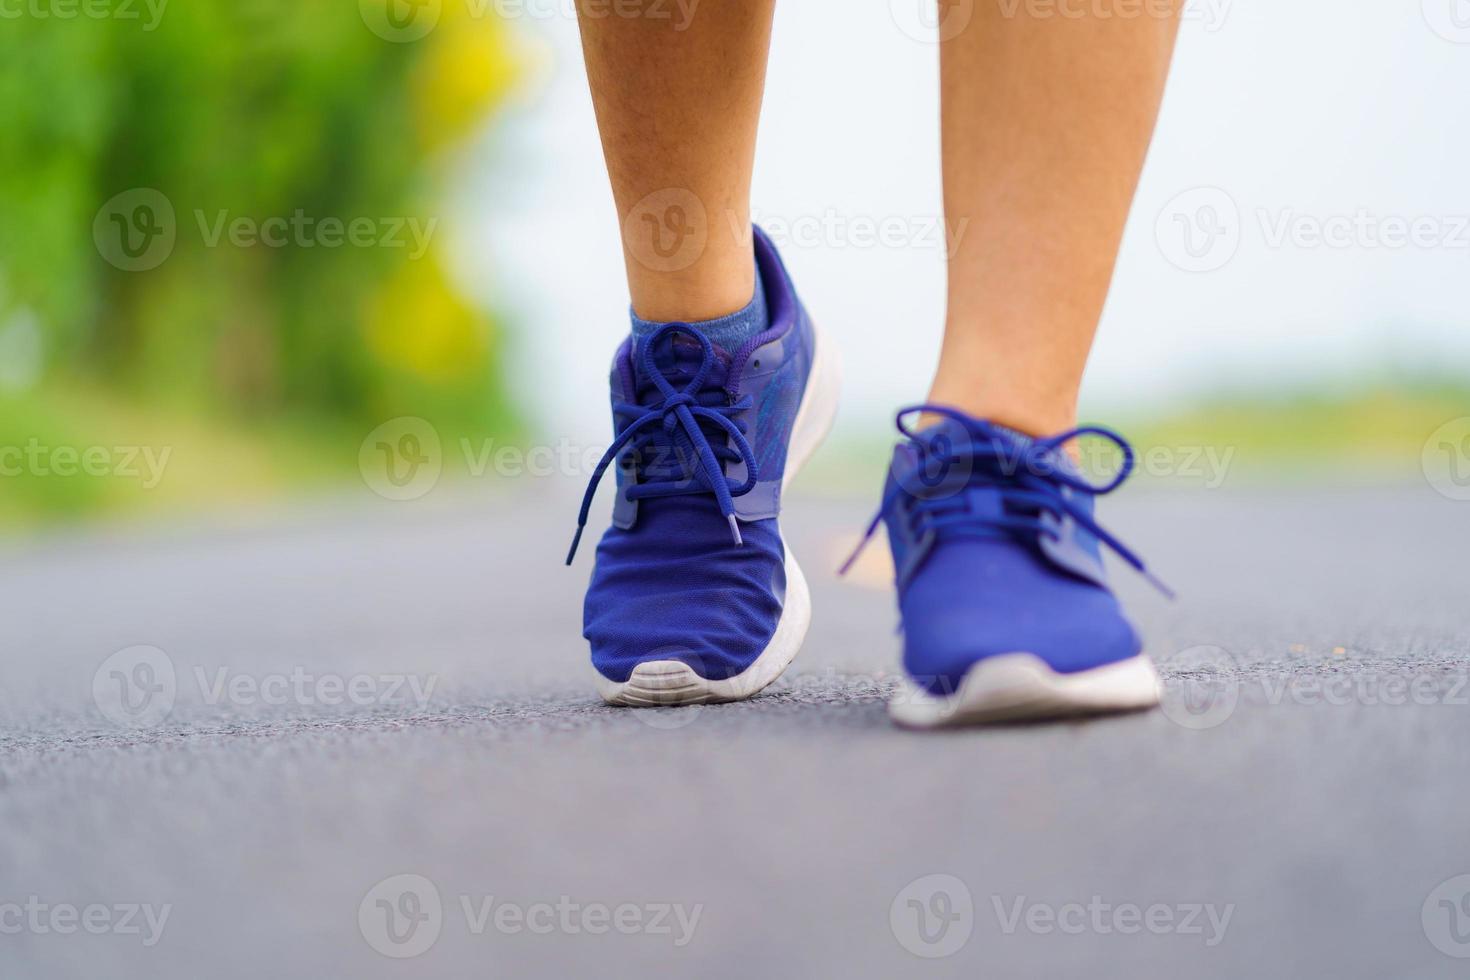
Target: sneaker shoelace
(677,413)
(1033,475)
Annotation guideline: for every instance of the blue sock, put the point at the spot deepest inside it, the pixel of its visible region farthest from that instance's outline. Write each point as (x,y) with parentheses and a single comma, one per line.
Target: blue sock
(729,331)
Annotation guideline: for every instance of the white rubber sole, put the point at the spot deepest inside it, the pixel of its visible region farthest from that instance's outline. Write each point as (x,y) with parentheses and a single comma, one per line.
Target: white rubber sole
(1021,687)
(673,682)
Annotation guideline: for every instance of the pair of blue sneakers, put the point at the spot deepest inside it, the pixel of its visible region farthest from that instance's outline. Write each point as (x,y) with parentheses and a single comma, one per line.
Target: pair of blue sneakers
(695,597)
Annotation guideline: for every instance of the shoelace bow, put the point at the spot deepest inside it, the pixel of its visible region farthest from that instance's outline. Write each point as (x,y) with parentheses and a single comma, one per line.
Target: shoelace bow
(680,411)
(1038,472)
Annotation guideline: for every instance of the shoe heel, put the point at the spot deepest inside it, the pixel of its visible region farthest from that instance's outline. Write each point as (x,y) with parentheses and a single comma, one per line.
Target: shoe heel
(818,409)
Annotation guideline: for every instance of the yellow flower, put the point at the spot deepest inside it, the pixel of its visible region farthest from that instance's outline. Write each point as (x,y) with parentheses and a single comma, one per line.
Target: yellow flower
(468,68)
(419,323)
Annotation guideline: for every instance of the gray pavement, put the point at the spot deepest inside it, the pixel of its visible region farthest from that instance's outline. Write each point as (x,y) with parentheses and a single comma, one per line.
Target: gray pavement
(1300,808)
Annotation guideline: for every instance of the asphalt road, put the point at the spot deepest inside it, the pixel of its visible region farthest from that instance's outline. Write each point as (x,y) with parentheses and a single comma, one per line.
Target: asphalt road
(359,692)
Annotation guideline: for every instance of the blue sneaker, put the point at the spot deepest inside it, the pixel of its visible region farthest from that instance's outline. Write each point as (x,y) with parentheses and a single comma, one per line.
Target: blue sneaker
(1006,611)
(694,596)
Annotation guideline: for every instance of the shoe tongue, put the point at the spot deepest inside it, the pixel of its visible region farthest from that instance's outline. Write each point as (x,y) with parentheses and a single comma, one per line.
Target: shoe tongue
(678,356)
(952,438)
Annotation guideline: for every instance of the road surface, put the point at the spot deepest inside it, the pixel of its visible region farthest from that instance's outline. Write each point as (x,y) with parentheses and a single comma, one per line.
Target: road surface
(359,740)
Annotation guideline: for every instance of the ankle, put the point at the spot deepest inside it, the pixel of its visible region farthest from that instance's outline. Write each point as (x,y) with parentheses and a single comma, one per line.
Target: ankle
(1026,412)
(719,280)
(729,330)
(690,301)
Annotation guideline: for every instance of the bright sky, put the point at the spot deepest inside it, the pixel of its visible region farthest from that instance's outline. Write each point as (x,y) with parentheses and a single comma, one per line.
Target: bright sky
(1305,211)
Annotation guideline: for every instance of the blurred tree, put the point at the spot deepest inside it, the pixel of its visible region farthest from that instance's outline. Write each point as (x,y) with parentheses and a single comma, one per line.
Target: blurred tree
(229,113)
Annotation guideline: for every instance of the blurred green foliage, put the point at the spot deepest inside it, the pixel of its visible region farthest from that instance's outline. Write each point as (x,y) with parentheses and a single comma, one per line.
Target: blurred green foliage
(246,109)
(1369,425)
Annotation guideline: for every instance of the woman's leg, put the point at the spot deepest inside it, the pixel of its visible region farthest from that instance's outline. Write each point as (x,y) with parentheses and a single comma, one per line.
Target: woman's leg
(694,595)
(677,103)
(1005,608)
(1046,121)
